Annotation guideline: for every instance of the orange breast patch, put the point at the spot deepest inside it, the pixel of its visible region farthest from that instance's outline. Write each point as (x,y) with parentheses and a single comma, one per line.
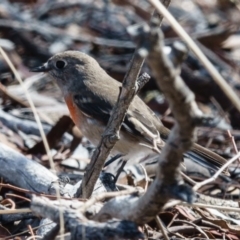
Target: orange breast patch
(73,110)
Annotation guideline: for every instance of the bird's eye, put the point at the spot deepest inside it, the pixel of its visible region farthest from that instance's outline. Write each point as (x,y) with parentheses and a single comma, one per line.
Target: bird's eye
(60,64)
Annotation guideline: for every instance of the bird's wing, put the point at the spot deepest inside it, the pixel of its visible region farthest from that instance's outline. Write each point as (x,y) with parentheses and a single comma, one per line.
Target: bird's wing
(140,111)
(92,106)
(137,121)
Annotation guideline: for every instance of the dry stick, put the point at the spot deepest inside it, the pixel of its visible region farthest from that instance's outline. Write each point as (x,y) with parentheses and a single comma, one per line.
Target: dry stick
(195,226)
(17,196)
(42,133)
(13,211)
(146,177)
(233,142)
(193,46)
(8,201)
(31,232)
(222,208)
(201,205)
(162,228)
(111,133)
(102,196)
(214,177)
(6,185)
(234,146)
(21,233)
(34,237)
(188,179)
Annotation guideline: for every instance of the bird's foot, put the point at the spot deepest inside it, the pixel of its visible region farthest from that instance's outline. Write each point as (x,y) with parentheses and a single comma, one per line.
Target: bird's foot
(157,143)
(153,148)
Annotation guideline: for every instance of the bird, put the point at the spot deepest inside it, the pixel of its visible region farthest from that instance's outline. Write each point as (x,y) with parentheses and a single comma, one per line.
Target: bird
(91,93)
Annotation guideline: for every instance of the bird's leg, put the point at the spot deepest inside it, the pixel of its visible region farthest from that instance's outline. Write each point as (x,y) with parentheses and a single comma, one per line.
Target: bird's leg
(153,148)
(112,159)
(157,141)
(124,161)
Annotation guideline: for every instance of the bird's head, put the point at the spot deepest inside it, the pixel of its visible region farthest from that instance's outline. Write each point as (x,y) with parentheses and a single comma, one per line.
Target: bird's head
(69,67)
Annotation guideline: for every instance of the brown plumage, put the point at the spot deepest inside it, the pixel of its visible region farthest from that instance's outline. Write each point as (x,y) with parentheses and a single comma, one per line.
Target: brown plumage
(91,93)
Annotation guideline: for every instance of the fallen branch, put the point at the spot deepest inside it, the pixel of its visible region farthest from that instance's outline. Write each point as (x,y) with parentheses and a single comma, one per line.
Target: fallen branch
(24,173)
(82,228)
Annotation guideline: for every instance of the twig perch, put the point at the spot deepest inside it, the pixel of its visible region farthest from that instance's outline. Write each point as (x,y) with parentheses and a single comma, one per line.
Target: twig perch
(82,228)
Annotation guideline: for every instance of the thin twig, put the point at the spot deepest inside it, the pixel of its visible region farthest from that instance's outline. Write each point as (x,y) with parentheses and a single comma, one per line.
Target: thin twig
(187,178)
(233,142)
(201,205)
(8,201)
(172,220)
(146,177)
(162,228)
(222,208)
(31,232)
(194,225)
(17,196)
(214,177)
(102,196)
(13,211)
(21,233)
(34,237)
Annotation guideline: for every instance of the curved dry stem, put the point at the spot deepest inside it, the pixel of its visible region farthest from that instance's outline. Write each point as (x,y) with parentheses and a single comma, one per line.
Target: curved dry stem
(214,177)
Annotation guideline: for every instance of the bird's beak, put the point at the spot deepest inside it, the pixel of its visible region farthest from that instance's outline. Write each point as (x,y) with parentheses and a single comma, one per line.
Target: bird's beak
(44,68)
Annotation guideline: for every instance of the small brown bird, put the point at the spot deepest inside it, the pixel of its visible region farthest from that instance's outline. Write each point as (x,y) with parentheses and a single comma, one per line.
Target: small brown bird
(90,94)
